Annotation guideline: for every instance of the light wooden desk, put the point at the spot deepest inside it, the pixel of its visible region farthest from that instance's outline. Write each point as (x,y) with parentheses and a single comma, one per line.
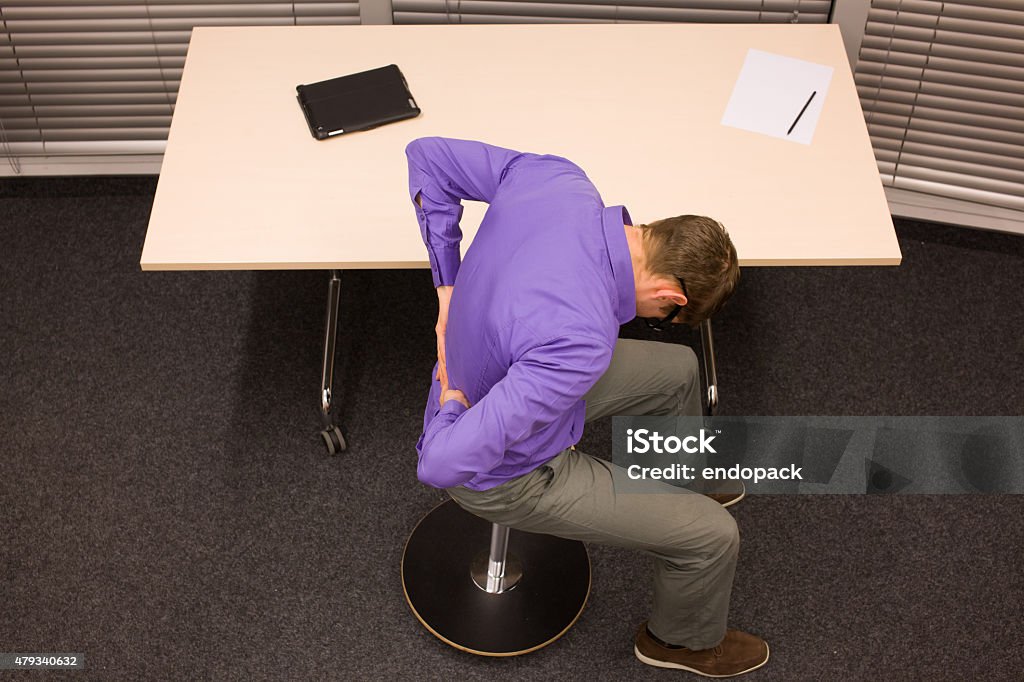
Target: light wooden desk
(245,186)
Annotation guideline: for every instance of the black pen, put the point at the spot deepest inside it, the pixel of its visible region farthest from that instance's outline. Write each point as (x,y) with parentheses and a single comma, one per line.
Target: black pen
(801,112)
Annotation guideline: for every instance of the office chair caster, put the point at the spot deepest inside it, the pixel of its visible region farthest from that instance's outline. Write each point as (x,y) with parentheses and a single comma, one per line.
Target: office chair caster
(333,439)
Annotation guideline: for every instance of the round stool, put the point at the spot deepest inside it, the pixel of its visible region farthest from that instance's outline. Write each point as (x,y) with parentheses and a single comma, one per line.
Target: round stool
(507,599)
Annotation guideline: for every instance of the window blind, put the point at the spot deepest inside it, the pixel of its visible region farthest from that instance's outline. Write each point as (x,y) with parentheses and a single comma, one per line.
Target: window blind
(942,88)
(100,77)
(586,11)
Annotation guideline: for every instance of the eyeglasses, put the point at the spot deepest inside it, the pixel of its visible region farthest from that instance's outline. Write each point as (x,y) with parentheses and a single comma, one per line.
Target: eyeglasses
(659,325)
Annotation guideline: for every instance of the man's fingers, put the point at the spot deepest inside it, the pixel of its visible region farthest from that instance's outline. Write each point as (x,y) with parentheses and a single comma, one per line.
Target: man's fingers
(459,396)
(454,395)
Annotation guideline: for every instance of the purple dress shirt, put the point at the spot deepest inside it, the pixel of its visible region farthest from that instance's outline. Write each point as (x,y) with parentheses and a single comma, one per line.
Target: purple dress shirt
(535,312)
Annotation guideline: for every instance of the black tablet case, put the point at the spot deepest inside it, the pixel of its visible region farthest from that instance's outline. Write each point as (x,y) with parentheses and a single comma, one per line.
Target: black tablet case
(356,102)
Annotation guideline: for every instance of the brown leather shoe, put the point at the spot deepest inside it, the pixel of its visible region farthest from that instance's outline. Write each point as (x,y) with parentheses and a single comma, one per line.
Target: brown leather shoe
(738,653)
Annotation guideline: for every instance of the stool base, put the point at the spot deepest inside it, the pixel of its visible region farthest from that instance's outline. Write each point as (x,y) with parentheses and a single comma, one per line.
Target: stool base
(440,590)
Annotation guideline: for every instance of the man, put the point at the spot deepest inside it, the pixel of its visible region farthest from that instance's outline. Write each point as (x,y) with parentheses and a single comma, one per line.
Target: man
(528,350)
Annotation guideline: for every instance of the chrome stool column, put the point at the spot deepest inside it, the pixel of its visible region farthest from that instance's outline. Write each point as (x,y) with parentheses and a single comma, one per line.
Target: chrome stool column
(522,594)
(495,571)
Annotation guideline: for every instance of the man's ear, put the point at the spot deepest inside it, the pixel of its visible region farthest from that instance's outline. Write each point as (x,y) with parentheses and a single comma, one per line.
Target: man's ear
(673,296)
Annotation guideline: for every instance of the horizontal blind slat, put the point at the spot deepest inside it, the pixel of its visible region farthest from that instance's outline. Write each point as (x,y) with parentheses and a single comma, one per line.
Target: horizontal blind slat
(981,12)
(957,133)
(877,61)
(114,86)
(462,18)
(696,18)
(102,38)
(933,22)
(882,44)
(897,135)
(95,75)
(956,191)
(1010,176)
(117,25)
(65,15)
(104,9)
(107,146)
(69,124)
(926,35)
(883,145)
(922,114)
(67,112)
(99,134)
(503,8)
(881,17)
(328,21)
(908,113)
(886,169)
(988,82)
(71,5)
(89,64)
(29,149)
(883,100)
(1006,96)
(966,5)
(751,6)
(960,180)
(16,135)
(80,99)
(1015,161)
(99,50)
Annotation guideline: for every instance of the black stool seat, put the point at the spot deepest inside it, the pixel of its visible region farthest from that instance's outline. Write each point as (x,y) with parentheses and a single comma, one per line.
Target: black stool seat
(439,587)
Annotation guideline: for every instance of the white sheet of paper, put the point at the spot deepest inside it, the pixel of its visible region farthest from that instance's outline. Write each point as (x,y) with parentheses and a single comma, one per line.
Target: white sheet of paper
(770,92)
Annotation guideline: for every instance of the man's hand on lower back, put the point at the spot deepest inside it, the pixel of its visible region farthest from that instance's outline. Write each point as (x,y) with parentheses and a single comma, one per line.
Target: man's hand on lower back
(453,394)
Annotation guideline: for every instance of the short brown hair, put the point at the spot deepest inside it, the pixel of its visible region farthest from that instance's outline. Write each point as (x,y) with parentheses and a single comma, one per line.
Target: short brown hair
(697,249)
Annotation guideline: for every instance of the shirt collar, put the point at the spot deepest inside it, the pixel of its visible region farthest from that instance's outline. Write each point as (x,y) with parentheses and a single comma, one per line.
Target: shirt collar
(614,220)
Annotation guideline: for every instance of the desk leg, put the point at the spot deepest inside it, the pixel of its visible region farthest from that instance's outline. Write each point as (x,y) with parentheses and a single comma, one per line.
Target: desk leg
(331,434)
(707,347)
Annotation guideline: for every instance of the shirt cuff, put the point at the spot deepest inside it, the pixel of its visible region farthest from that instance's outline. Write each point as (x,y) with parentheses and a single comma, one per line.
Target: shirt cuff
(446,265)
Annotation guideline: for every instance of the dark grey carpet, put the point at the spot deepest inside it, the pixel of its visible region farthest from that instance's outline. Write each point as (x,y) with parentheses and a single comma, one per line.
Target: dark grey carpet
(166,507)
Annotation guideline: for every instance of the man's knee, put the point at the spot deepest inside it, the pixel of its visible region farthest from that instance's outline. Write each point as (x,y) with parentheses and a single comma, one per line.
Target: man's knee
(680,366)
(718,538)
(727,535)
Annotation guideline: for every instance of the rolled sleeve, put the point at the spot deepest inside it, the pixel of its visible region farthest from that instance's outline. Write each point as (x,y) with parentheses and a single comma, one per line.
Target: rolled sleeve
(442,173)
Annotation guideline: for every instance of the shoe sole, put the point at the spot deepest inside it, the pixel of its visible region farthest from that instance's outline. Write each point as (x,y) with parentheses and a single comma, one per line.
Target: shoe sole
(732,502)
(679,666)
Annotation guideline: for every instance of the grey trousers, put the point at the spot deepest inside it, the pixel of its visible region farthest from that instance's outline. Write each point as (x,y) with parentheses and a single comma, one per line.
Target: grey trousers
(693,540)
